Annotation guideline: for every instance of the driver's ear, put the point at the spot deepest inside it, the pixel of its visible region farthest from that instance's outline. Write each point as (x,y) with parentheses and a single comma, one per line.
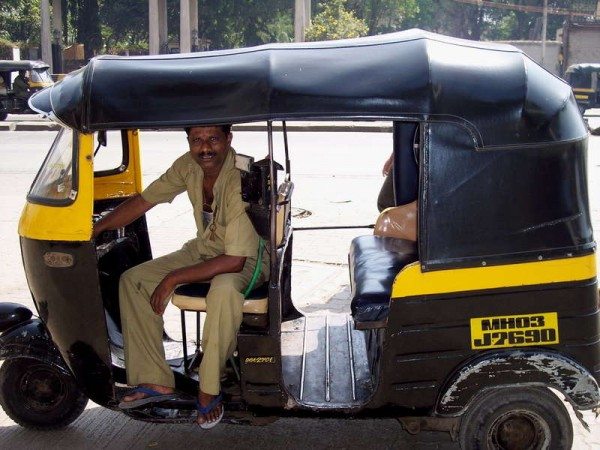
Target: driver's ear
(229,138)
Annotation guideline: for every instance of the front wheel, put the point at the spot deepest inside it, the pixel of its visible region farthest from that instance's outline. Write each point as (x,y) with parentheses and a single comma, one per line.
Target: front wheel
(515,419)
(3,115)
(38,395)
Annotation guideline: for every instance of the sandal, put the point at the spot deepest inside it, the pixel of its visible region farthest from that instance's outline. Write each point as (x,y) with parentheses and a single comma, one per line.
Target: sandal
(152,396)
(208,408)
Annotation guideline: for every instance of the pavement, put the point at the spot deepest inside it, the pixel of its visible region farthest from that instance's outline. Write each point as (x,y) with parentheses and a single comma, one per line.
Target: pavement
(319,260)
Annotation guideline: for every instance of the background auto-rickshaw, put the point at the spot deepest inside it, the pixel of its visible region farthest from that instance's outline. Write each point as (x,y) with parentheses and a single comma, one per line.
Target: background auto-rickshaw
(465,329)
(583,78)
(39,78)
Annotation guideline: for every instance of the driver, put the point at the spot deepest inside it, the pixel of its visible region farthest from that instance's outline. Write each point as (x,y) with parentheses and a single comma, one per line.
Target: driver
(21,86)
(223,252)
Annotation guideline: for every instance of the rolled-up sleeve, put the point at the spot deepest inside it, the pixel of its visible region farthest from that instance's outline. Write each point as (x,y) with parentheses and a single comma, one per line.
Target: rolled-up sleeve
(240,237)
(169,185)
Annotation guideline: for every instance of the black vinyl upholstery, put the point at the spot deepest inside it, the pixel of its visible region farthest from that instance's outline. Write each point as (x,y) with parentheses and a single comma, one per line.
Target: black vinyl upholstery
(374,262)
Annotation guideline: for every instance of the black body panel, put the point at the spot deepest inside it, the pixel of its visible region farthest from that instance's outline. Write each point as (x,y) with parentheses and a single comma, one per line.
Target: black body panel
(69,303)
(431,337)
(504,205)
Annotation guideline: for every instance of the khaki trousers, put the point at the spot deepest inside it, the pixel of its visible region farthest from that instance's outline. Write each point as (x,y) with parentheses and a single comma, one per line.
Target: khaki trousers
(143,329)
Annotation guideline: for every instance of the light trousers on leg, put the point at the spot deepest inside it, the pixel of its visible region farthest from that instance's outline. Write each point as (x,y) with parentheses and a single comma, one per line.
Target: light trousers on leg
(142,327)
(224,304)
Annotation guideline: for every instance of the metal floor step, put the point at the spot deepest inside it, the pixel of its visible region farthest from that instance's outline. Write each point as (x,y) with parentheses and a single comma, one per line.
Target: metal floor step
(325,361)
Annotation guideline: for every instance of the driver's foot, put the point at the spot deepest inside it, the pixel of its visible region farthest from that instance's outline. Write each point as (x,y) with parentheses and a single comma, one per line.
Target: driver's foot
(214,414)
(140,395)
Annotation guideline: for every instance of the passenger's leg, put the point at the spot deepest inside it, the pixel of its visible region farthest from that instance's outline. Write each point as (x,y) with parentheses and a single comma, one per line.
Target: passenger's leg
(142,327)
(219,339)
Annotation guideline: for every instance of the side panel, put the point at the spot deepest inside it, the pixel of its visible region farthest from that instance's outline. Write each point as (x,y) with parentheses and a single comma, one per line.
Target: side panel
(429,337)
(63,280)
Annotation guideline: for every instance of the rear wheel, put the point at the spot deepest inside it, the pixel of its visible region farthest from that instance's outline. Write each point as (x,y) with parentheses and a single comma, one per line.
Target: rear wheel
(515,419)
(38,395)
(3,115)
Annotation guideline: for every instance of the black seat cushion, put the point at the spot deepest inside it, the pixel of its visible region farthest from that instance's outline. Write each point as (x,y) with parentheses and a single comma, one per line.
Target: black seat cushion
(201,290)
(374,263)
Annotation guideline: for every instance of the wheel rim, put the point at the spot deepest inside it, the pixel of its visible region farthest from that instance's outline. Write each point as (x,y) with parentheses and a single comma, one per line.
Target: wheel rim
(519,430)
(41,388)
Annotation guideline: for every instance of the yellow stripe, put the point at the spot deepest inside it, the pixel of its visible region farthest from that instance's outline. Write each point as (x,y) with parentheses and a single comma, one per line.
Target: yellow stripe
(126,183)
(411,281)
(65,223)
(580,90)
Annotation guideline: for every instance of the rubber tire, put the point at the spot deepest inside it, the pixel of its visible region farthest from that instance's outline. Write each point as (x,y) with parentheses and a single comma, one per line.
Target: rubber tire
(31,402)
(3,116)
(476,423)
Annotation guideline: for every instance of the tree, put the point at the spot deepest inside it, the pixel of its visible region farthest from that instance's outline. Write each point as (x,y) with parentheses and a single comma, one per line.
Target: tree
(334,21)
(85,19)
(384,16)
(20,21)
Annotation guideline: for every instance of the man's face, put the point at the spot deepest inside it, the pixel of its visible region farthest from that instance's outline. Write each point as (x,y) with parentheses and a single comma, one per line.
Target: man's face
(209,147)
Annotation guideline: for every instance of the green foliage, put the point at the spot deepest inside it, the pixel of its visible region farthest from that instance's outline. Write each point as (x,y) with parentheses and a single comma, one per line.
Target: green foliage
(385,16)
(20,20)
(335,22)
(6,49)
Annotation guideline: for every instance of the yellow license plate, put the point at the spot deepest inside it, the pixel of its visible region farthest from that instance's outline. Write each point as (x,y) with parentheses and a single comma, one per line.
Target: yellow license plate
(514,331)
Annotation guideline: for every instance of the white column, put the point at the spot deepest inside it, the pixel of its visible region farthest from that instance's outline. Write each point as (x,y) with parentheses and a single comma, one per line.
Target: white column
(185,27)
(299,20)
(307,14)
(45,34)
(544,31)
(157,26)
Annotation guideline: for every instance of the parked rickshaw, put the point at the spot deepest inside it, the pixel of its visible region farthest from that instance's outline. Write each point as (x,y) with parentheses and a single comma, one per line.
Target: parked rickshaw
(39,78)
(583,78)
(464,330)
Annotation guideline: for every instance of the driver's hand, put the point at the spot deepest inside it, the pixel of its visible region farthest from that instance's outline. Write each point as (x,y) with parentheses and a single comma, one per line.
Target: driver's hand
(160,297)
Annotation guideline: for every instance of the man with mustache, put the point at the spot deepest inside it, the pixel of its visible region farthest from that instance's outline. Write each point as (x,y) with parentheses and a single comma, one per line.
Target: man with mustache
(223,252)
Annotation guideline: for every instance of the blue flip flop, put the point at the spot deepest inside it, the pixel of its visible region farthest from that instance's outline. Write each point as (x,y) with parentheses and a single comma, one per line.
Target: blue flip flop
(152,397)
(208,408)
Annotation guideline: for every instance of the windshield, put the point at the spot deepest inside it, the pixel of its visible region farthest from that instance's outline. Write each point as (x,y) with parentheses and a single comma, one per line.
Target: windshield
(55,181)
(580,80)
(40,76)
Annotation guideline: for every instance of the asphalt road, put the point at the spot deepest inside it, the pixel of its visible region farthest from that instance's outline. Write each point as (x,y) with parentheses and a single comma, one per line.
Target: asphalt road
(337,178)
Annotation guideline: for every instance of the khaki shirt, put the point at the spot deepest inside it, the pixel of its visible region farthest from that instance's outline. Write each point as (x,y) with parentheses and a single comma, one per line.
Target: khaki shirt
(230,232)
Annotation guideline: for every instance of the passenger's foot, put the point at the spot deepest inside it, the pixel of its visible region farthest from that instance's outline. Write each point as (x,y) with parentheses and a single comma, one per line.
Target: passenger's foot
(146,393)
(210,410)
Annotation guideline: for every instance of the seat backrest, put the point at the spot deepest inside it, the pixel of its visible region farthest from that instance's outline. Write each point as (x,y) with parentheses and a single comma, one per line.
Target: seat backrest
(398,222)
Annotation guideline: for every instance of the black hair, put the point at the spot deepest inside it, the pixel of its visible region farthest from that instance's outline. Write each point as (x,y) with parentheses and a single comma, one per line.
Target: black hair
(225,128)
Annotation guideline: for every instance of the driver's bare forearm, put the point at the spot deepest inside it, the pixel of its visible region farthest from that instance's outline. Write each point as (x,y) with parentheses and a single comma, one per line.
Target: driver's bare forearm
(124,214)
(206,270)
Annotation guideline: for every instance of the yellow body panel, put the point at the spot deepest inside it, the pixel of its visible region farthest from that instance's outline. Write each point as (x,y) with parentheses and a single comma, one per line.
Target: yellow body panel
(582,97)
(411,281)
(126,183)
(65,223)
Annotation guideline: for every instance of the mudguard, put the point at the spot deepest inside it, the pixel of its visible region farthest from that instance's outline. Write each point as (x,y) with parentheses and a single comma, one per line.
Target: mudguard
(520,367)
(30,340)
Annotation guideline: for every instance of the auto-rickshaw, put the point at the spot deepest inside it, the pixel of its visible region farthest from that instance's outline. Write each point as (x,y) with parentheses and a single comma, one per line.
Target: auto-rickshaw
(583,78)
(467,329)
(39,78)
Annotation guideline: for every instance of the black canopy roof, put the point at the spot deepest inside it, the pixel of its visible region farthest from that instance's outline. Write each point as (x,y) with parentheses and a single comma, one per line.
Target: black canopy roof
(6,65)
(495,91)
